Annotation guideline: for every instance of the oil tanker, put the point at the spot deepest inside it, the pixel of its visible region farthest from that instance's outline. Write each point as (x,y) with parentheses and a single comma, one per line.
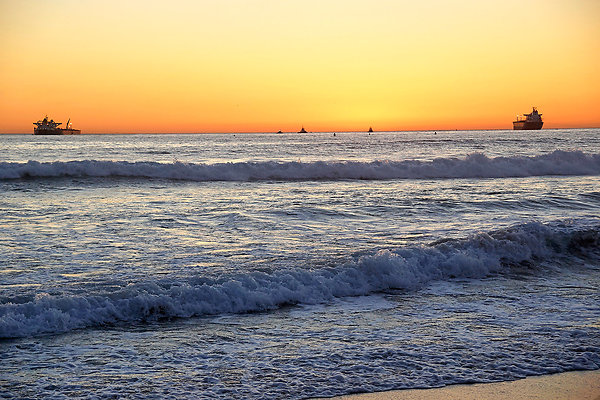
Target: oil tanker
(532,121)
(49,127)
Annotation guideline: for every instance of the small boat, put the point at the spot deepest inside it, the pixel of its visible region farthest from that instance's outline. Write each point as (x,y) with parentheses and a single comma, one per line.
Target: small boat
(49,127)
(531,121)
(370,129)
(302,130)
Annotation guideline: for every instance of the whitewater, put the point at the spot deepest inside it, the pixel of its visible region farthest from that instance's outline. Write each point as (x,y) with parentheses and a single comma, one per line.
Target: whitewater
(472,166)
(291,266)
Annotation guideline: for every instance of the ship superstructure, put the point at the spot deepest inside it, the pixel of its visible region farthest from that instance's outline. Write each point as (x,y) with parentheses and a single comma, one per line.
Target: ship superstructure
(531,121)
(49,127)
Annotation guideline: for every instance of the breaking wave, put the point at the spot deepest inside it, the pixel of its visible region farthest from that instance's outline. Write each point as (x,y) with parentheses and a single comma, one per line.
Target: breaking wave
(472,166)
(510,250)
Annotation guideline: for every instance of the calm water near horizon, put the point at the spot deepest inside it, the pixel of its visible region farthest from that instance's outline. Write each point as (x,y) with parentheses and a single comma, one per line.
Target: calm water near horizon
(290,266)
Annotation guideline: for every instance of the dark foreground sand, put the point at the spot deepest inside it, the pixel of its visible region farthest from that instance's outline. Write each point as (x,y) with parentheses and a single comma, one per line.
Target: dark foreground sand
(583,385)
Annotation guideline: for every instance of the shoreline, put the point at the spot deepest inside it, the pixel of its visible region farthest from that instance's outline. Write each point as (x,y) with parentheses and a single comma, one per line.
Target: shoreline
(574,385)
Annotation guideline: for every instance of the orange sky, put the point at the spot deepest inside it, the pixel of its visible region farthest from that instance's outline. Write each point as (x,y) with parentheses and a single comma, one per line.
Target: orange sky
(264,65)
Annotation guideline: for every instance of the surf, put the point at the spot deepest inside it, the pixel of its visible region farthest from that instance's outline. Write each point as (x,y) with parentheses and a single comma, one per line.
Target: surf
(520,249)
(477,165)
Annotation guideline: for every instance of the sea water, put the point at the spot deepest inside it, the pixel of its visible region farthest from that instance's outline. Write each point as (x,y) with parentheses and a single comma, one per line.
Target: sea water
(290,266)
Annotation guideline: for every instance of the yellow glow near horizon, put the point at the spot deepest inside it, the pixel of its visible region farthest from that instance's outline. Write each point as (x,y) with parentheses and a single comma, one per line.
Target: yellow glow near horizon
(265,65)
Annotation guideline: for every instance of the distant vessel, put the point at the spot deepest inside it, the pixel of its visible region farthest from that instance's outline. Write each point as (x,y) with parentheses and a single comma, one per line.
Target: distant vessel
(49,127)
(532,121)
(302,130)
(370,129)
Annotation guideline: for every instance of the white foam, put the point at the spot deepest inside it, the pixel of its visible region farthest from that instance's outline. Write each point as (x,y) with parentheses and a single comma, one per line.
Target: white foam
(473,166)
(404,268)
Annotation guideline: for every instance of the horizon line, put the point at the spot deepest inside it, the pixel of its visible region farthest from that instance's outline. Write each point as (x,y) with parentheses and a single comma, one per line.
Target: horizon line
(294,132)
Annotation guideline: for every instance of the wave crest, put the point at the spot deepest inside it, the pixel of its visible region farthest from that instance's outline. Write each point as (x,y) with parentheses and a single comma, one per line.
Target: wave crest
(473,166)
(404,268)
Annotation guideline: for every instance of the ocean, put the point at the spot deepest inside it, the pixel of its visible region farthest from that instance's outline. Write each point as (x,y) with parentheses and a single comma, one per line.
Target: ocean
(291,266)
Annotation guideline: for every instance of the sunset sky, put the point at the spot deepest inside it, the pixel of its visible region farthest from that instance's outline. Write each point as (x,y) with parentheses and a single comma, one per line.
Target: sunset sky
(264,65)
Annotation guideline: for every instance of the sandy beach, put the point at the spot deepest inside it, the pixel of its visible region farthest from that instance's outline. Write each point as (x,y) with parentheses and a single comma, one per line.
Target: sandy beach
(578,385)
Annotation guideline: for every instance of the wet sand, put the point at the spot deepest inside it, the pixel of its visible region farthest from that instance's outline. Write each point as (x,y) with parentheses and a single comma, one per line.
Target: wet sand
(579,385)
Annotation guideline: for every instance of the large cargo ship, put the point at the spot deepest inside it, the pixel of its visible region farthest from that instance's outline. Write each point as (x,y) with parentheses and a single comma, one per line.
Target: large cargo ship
(532,121)
(49,127)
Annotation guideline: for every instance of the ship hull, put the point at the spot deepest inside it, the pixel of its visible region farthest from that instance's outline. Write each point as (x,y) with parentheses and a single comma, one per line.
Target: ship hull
(527,125)
(70,131)
(56,131)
